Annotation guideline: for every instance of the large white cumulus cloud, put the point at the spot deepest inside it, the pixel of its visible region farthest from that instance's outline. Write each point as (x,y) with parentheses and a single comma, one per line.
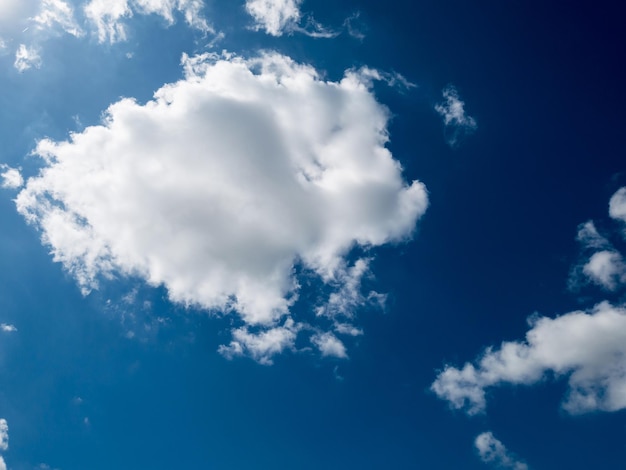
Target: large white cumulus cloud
(225,181)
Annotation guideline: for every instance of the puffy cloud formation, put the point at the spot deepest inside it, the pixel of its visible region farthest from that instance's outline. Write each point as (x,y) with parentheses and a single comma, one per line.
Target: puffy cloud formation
(108,15)
(329,345)
(458,123)
(57,13)
(7,328)
(26,58)
(277,17)
(604,265)
(11,177)
(587,347)
(493,452)
(617,205)
(274,16)
(4,434)
(222,184)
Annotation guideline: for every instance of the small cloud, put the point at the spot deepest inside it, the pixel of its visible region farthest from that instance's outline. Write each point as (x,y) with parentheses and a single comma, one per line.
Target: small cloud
(607,269)
(11,177)
(329,345)
(261,346)
(354,26)
(55,13)
(278,17)
(458,123)
(274,16)
(4,434)
(7,328)
(26,58)
(617,205)
(492,451)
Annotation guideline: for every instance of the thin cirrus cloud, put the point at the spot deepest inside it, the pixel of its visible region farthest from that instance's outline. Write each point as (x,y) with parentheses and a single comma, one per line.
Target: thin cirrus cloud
(222,184)
(108,16)
(493,452)
(587,347)
(457,122)
(57,13)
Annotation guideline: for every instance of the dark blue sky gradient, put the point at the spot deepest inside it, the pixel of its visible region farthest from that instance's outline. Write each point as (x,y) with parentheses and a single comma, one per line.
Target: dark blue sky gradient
(545,82)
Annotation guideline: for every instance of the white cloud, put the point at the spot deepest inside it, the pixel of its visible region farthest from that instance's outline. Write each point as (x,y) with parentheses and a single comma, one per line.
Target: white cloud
(222,183)
(493,452)
(587,347)
(26,58)
(108,15)
(589,237)
(275,16)
(329,345)
(7,328)
(57,12)
(617,205)
(278,17)
(263,345)
(606,268)
(190,9)
(11,177)
(4,434)
(458,123)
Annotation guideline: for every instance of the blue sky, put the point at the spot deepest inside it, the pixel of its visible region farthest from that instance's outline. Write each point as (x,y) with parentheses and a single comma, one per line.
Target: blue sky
(311,234)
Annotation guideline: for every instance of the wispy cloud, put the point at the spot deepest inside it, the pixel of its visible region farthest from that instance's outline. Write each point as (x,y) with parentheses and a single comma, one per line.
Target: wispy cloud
(493,452)
(53,13)
(27,58)
(108,16)
(458,123)
(7,328)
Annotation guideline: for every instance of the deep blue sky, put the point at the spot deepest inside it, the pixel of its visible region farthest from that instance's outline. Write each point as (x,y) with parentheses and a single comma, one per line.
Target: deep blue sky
(543,81)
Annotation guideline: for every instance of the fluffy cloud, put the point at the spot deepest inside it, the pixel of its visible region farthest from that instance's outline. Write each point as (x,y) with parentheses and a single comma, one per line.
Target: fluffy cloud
(7,328)
(617,205)
(604,265)
(54,13)
(458,123)
(587,347)
(262,345)
(278,17)
(4,441)
(108,15)
(4,434)
(26,58)
(274,16)
(606,268)
(493,452)
(225,182)
(11,177)
(329,345)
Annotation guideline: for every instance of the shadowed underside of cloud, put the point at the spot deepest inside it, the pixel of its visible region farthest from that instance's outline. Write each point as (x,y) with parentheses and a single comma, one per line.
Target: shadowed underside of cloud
(222,184)
(493,452)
